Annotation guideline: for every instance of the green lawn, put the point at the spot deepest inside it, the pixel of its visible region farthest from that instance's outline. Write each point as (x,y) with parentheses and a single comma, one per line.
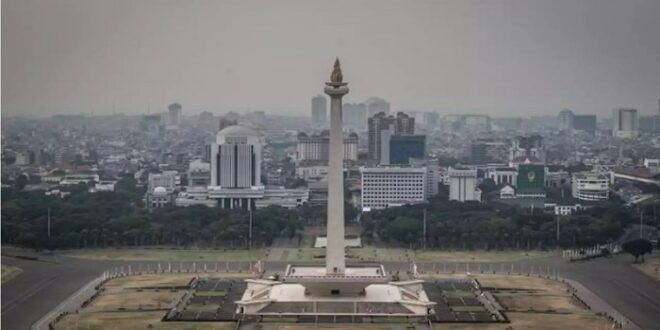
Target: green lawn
(141,254)
(476,256)
(468,308)
(9,273)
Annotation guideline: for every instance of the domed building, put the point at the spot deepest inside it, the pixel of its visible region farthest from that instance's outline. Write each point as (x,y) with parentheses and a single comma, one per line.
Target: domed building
(159,197)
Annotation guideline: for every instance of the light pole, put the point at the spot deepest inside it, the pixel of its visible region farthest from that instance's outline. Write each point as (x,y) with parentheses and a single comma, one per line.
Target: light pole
(557,232)
(424,229)
(641,223)
(250,233)
(49,223)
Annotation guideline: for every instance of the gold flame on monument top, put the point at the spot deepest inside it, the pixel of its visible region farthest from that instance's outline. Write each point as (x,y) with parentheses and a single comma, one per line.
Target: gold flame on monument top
(336,76)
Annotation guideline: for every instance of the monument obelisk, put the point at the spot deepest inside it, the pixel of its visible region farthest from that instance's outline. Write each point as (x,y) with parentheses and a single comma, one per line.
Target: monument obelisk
(334,260)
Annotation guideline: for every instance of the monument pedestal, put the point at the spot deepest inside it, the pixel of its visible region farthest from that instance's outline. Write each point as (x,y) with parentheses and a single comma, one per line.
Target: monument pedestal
(352,282)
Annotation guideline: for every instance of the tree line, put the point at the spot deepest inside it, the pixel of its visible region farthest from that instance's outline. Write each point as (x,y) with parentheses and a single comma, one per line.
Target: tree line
(473,225)
(106,219)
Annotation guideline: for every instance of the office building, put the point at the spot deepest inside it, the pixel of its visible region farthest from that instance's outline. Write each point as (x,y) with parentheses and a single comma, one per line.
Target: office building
(319,110)
(151,124)
(376,105)
(199,174)
(527,150)
(355,115)
(649,124)
(316,147)
(384,187)
(565,119)
(625,123)
(236,167)
(530,181)
(586,123)
(404,147)
(590,186)
(167,180)
(434,174)
(401,124)
(174,116)
(476,123)
(463,185)
(502,175)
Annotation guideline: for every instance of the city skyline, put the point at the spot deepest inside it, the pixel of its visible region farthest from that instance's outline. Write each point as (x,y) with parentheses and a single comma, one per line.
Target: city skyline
(505,59)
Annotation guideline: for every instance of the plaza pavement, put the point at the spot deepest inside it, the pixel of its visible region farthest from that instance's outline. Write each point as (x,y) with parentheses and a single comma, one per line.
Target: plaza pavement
(44,284)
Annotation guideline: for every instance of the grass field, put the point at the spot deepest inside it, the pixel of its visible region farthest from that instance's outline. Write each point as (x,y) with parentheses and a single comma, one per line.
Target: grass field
(531,303)
(166,254)
(144,300)
(129,303)
(520,282)
(650,267)
(133,320)
(9,273)
(536,321)
(542,303)
(475,256)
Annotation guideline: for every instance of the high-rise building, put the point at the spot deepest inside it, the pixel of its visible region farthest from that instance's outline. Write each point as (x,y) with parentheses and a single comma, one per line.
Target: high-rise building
(236,167)
(586,123)
(404,147)
(624,123)
(319,110)
(384,187)
(565,119)
(317,147)
(527,150)
(649,124)
(355,115)
(402,124)
(376,105)
(476,123)
(463,185)
(174,116)
(152,125)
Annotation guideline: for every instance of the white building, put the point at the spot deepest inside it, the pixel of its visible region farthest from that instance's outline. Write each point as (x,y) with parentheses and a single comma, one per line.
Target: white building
(591,186)
(383,187)
(75,179)
(106,185)
(463,185)
(566,209)
(199,174)
(166,180)
(502,175)
(434,174)
(159,197)
(312,172)
(236,167)
(507,192)
(317,147)
(625,123)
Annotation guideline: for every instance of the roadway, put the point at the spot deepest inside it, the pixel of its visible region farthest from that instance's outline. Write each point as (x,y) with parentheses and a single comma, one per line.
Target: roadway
(45,283)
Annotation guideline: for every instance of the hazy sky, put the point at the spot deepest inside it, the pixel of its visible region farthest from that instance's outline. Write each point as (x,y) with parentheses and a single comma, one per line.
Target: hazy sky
(495,57)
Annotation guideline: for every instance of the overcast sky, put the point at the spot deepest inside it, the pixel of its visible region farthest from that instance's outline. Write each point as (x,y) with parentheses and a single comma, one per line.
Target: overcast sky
(499,57)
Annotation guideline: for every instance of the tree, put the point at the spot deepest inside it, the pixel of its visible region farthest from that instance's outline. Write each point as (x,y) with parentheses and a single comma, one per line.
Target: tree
(638,247)
(21,181)
(487,186)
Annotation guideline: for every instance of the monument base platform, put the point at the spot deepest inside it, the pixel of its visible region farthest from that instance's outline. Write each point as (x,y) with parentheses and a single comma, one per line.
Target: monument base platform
(352,282)
(362,290)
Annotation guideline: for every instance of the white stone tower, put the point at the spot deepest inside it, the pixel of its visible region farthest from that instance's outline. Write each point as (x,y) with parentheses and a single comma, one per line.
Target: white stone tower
(334,261)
